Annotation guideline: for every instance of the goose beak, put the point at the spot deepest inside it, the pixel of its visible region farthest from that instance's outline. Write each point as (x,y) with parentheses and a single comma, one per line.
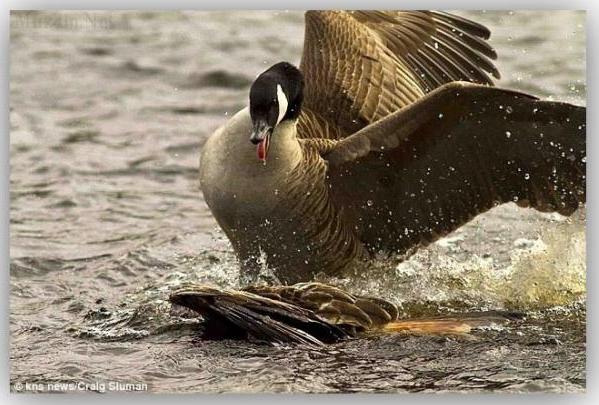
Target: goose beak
(261,138)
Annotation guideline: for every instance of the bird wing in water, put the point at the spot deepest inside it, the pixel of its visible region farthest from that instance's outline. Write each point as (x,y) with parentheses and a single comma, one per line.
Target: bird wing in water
(361,66)
(243,314)
(464,148)
(338,307)
(310,313)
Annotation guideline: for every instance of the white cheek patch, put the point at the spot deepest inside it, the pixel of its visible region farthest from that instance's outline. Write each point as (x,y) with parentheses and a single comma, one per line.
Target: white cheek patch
(282,100)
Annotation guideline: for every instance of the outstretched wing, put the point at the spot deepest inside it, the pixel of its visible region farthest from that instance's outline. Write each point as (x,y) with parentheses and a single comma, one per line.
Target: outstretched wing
(428,169)
(361,66)
(302,313)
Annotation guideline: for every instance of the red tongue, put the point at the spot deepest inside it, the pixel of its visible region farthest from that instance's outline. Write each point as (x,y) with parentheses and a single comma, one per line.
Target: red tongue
(261,149)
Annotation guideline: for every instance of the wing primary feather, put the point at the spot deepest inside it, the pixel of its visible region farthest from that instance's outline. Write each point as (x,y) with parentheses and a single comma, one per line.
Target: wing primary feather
(472,41)
(466,24)
(469,54)
(465,69)
(454,70)
(425,76)
(443,75)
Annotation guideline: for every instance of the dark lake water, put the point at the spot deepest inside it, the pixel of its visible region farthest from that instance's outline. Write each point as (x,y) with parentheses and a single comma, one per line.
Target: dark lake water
(108,113)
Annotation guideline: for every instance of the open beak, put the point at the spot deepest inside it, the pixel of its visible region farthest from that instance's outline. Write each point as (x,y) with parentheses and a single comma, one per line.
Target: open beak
(261,137)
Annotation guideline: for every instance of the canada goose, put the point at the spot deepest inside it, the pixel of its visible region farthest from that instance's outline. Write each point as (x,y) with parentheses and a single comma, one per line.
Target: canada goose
(378,144)
(312,313)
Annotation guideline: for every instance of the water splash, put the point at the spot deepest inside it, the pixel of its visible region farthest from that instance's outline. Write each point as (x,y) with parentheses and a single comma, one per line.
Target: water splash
(542,273)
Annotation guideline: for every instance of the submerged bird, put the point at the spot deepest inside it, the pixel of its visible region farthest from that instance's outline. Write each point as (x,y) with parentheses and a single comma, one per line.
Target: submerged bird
(312,313)
(388,136)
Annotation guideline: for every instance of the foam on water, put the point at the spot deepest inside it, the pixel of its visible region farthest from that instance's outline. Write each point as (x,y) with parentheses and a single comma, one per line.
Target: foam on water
(551,272)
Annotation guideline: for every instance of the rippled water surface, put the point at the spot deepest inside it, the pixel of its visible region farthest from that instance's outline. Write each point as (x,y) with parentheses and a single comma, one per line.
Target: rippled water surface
(108,113)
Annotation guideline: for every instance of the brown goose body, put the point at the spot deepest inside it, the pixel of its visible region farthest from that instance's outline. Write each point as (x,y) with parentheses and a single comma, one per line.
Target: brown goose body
(262,208)
(390,151)
(312,313)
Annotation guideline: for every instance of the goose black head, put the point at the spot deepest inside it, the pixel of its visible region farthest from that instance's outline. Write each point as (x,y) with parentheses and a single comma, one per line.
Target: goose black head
(276,95)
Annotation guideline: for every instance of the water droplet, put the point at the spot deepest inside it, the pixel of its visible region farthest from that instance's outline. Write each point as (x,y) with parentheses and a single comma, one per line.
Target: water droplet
(370,203)
(508,134)
(526,176)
